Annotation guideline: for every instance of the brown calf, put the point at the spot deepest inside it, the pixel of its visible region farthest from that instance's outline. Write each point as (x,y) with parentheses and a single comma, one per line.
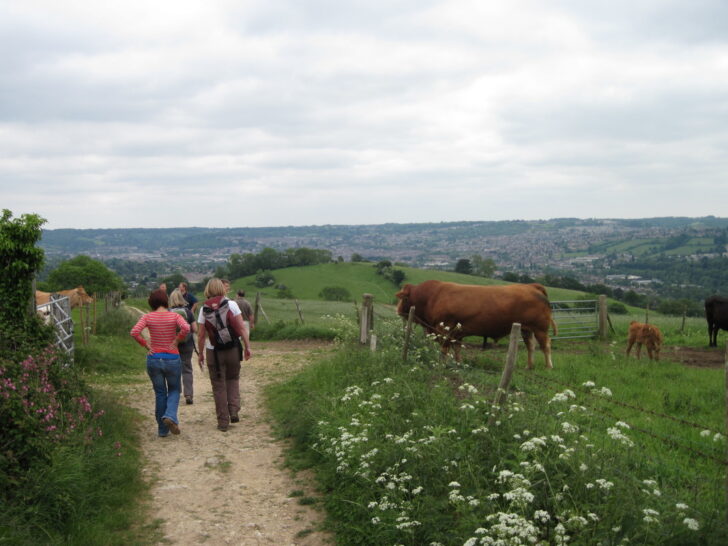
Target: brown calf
(647,335)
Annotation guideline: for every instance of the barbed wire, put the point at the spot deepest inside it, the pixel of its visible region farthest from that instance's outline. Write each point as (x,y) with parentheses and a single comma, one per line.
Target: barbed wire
(669,440)
(630,406)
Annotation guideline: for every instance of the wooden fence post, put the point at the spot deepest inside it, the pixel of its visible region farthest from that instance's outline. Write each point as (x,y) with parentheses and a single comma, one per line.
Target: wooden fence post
(408,332)
(603,322)
(367,318)
(298,308)
(94,313)
(682,326)
(257,306)
(502,393)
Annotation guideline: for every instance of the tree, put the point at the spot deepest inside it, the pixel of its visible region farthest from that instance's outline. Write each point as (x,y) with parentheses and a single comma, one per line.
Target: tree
(357,258)
(483,267)
(398,276)
(464,266)
(93,275)
(20,258)
(264,279)
(335,293)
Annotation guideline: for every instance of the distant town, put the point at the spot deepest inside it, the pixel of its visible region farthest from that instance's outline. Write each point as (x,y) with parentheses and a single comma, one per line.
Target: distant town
(684,257)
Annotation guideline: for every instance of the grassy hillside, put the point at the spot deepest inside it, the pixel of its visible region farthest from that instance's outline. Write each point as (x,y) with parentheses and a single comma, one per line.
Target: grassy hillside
(307,282)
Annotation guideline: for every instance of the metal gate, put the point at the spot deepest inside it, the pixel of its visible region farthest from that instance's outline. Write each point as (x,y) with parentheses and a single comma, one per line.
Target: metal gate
(576,318)
(58,312)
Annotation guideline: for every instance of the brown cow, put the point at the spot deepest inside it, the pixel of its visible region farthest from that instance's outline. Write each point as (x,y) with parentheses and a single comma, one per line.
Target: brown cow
(76,296)
(647,335)
(453,311)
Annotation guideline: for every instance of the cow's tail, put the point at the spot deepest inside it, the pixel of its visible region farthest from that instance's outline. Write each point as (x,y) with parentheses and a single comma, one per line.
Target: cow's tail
(553,325)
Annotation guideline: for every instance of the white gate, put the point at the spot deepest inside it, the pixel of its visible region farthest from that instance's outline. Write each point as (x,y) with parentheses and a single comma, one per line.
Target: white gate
(58,312)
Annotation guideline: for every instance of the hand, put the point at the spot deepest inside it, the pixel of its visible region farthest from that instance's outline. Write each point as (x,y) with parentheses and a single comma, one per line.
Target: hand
(247,354)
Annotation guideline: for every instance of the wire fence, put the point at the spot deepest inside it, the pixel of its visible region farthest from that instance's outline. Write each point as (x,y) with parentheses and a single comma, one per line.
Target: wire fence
(605,401)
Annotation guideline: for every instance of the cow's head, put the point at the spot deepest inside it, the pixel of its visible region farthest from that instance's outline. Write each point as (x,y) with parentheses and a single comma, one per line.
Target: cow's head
(403,306)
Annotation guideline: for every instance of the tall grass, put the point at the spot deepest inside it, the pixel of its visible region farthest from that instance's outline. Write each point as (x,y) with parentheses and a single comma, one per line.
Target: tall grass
(405,453)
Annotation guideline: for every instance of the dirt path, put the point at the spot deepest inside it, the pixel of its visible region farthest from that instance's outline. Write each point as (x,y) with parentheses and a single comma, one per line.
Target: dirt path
(229,488)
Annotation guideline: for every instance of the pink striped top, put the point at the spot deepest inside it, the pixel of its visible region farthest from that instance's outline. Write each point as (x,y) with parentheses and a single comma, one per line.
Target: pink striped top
(162,326)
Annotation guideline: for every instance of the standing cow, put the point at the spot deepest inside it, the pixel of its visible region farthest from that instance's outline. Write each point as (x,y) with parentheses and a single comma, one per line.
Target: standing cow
(716,313)
(454,311)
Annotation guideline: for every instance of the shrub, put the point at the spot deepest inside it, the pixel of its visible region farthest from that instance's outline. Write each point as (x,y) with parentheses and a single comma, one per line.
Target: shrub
(617,308)
(335,293)
(264,279)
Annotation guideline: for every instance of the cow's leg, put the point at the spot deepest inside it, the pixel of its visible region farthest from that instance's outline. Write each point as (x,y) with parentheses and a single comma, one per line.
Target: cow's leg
(544,341)
(649,352)
(630,342)
(529,341)
(639,349)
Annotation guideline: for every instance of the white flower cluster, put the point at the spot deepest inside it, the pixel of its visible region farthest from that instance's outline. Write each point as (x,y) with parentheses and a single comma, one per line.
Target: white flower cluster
(562,396)
(616,434)
(469,388)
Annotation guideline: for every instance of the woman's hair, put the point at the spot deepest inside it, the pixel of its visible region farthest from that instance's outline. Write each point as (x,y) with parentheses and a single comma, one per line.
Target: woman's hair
(214,288)
(157,299)
(176,299)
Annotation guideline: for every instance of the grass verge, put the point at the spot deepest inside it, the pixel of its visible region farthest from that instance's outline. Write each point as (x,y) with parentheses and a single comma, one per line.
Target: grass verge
(596,451)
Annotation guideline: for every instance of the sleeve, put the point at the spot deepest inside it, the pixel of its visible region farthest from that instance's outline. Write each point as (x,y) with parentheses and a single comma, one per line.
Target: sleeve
(235,308)
(136,331)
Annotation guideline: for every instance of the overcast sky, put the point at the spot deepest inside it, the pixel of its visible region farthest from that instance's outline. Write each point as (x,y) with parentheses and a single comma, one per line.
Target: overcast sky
(308,112)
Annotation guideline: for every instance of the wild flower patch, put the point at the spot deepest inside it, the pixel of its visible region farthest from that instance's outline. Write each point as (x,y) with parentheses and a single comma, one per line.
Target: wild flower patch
(411,454)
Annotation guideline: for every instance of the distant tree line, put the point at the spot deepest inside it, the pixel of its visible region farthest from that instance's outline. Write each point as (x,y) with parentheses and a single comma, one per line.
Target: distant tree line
(242,265)
(668,306)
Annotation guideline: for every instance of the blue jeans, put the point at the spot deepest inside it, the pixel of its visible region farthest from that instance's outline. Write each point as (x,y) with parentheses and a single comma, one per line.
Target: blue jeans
(166,376)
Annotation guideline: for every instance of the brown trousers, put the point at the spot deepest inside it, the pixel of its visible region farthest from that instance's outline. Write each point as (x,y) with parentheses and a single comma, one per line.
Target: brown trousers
(224,369)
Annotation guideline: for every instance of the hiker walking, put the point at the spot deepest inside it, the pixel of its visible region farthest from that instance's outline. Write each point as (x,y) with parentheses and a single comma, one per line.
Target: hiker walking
(164,366)
(189,297)
(221,327)
(178,305)
(246,309)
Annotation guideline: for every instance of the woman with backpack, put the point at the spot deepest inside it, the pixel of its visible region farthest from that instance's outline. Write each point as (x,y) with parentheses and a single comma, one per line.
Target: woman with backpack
(178,304)
(221,327)
(164,366)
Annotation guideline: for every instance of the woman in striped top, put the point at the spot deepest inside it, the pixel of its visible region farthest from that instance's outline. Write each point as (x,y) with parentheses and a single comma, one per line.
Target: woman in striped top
(164,366)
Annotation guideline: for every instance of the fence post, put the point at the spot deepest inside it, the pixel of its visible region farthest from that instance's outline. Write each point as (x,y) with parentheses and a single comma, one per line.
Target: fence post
(367,318)
(257,306)
(603,323)
(408,332)
(94,315)
(501,394)
(298,308)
